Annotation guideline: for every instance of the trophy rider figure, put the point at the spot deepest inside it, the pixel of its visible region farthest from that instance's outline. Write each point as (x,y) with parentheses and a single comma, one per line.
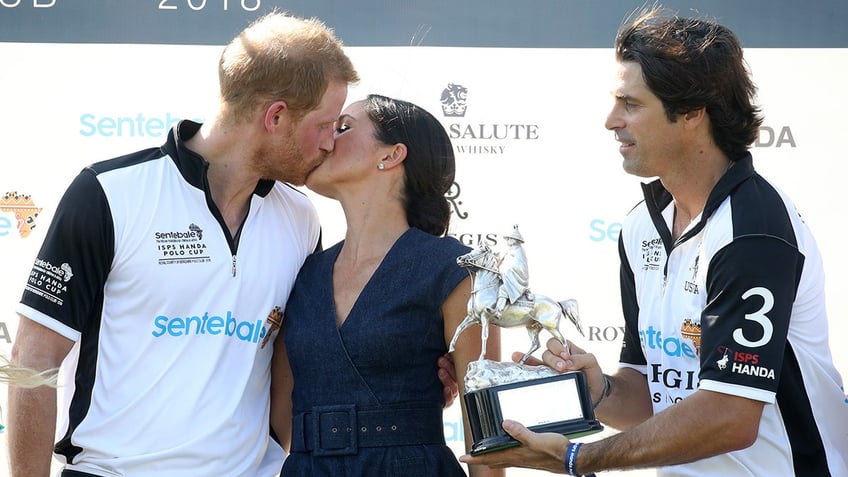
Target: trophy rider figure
(515,277)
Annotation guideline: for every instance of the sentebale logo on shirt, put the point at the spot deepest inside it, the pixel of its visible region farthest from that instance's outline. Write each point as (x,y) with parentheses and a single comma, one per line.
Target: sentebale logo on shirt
(207,324)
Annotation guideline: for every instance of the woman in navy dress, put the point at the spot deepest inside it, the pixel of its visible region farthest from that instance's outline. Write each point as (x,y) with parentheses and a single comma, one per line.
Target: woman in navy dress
(355,389)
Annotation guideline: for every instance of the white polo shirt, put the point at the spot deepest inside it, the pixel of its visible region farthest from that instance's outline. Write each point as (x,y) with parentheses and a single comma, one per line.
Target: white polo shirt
(169,375)
(736,306)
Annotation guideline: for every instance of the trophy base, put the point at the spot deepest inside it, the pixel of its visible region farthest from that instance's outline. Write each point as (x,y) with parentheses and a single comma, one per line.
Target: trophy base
(560,404)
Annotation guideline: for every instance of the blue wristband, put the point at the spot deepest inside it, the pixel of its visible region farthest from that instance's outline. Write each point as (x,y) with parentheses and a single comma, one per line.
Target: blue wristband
(571,458)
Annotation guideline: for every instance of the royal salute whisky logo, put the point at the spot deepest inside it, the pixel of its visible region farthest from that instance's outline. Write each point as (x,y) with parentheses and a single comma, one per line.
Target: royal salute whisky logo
(480,138)
(454,100)
(24,210)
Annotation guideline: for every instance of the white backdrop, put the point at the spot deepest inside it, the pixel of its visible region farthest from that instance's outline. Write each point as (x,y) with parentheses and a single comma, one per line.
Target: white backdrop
(67,105)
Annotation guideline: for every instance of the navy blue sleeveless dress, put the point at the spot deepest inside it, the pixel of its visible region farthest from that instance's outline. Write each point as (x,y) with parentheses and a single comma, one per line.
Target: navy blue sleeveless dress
(367,400)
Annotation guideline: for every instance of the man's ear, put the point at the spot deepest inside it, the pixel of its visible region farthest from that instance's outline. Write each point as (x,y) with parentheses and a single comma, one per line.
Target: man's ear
(695,117)
(274,115)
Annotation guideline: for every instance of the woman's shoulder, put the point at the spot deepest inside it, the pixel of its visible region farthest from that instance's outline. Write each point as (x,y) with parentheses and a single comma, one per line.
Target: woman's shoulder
(318,259)
(432,244)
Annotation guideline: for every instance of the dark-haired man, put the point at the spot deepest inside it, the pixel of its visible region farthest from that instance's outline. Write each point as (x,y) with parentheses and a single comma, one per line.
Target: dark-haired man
(717,260)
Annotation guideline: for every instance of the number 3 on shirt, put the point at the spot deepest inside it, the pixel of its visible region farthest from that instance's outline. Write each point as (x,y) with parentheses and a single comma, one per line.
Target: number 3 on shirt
(759,317)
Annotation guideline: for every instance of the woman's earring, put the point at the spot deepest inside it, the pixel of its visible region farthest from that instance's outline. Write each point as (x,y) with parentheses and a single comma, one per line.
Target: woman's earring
(381,166)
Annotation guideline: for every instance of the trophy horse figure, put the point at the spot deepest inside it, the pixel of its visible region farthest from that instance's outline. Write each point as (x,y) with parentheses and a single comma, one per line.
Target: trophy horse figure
(536,313)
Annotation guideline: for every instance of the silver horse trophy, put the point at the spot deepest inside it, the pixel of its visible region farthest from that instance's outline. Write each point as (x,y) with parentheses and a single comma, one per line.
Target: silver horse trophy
(539,397)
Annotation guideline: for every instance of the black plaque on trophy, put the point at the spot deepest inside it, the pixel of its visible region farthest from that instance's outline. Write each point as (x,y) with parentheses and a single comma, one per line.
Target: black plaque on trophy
(559,404)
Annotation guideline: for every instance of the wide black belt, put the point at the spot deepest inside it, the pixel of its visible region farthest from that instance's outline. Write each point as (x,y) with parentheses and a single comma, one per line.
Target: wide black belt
(341,430)
(76,473)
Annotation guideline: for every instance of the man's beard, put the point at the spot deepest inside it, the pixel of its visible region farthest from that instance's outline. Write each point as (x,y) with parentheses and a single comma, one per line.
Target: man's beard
(282,162)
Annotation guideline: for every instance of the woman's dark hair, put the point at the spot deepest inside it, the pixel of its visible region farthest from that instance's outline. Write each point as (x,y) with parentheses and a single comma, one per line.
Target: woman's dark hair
(430,164)
(691,64)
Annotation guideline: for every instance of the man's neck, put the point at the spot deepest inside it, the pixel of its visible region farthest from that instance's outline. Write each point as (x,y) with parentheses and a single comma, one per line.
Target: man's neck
(691,192)
(231,180)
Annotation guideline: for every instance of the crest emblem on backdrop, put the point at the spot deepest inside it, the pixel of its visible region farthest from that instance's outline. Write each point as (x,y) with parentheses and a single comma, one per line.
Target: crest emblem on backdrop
(454,100)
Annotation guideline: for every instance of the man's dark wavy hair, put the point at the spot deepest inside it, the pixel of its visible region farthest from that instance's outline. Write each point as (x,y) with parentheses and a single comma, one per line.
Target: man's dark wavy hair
(689,64)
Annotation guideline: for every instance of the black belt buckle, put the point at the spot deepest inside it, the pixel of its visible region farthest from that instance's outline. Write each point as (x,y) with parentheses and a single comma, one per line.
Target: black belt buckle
(334,430)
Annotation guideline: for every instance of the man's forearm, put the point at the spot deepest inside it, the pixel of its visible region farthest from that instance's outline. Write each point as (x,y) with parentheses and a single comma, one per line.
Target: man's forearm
(702,425)
(31,430)
(629,401)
